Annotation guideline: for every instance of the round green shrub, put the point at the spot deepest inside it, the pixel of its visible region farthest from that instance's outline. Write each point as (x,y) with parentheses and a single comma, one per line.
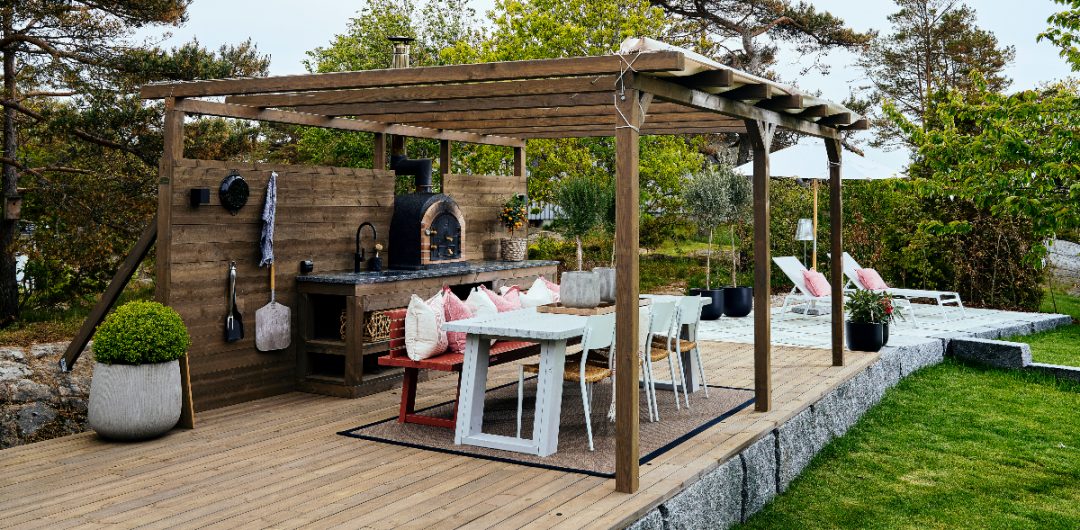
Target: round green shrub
(141,333)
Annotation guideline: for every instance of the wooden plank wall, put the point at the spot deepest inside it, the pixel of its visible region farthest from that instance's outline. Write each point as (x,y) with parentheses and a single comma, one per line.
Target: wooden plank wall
(319,209)
(481,198)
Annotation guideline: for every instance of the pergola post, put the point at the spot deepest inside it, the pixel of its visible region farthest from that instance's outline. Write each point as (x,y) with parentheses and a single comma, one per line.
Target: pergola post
(836,267)
(630,106)
(519,161)
(444,157)
(761,135)
(173,132)
(378,156)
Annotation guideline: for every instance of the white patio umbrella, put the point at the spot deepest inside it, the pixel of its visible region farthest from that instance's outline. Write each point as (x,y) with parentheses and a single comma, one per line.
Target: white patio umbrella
(810,162)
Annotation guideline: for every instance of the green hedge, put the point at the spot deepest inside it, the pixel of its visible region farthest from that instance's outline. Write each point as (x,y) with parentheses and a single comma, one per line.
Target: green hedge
(140,333)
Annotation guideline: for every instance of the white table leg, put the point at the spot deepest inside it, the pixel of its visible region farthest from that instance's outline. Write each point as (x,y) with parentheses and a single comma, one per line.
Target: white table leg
(549,397)
(470,415)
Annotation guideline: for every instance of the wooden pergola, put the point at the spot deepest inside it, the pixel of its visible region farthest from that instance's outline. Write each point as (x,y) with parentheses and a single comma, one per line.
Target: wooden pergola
(669,91)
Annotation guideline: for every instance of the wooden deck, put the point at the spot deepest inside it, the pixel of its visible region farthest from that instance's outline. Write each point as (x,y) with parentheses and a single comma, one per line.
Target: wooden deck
(277,462)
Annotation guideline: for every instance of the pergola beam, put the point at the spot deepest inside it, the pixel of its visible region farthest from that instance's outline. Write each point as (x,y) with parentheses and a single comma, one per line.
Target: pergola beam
(462,105)
(660,61)
(498,126)
(228,110)
(704,101)
(530,87)
(600,111)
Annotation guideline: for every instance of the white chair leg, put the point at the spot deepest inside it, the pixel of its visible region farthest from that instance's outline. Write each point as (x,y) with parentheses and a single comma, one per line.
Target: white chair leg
(682,373)
(671,366)
(701,369)
(521,396)
(783,310)
(650,391)
(586,401)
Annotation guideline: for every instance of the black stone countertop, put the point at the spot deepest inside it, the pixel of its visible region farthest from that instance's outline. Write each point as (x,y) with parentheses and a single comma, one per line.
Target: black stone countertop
(471,267)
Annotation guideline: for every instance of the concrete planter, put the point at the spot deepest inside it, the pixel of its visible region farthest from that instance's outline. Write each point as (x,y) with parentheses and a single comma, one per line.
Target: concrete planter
(580,289)
(606,276)
(715,308)
(134,402)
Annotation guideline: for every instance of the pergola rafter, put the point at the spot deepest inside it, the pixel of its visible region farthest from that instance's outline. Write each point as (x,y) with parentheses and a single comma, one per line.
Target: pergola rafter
(669,91)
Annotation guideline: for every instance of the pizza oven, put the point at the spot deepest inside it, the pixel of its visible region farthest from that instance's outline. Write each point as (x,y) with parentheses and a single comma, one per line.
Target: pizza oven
(427,228)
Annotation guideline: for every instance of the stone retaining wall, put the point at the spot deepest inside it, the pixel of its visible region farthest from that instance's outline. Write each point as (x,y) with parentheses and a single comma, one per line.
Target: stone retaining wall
(741,486)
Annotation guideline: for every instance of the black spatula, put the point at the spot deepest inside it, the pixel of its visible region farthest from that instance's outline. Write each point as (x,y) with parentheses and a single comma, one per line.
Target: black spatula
(234,323)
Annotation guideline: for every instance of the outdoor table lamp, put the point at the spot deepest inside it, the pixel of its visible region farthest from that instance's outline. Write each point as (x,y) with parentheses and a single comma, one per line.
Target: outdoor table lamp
(804,232)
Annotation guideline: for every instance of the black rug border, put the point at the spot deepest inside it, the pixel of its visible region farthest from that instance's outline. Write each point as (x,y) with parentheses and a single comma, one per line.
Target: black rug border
(351,433)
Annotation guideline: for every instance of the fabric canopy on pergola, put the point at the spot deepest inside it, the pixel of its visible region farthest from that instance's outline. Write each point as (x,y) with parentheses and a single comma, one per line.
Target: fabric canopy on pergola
(649,88)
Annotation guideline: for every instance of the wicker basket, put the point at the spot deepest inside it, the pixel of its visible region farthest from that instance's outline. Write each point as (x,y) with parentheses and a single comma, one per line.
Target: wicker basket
(377,328)
(513,248)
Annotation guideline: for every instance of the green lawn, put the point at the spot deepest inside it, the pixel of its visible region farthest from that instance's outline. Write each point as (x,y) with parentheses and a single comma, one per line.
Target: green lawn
(1057,346)
(953,446)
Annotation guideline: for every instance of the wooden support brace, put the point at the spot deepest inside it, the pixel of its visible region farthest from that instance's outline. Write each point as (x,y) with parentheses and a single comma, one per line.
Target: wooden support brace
(761,135)
(112,294)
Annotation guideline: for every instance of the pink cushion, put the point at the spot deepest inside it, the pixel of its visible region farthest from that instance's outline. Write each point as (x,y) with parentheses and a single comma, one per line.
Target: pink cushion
(871,279)
(456,309)
(816,283)
(502,303)
(553,287)
(513,295)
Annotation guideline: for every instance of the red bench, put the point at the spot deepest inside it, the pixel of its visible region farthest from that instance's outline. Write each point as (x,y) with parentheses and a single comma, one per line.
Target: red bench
(501,352)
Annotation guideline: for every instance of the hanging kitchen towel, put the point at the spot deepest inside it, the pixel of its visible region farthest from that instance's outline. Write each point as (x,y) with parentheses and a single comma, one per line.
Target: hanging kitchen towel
(266,242)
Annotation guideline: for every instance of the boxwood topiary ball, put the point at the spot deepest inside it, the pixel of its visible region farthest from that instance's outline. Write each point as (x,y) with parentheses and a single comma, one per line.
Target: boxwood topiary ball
(140,333)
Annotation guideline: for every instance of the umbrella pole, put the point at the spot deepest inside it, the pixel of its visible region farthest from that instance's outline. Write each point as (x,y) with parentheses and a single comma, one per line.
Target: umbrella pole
(814,185)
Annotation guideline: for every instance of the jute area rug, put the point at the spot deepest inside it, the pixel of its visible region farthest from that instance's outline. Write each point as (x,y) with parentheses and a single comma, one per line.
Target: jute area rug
(676,426)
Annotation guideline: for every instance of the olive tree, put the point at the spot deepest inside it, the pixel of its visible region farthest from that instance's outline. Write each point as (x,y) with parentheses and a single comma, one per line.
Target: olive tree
(582,202)
(704,198)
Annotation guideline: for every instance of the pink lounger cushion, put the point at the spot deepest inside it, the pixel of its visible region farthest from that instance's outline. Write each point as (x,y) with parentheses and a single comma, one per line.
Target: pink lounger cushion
(871,279)
(816,283)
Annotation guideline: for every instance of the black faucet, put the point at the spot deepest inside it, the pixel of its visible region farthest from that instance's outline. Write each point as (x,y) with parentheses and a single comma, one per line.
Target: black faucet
(358,257)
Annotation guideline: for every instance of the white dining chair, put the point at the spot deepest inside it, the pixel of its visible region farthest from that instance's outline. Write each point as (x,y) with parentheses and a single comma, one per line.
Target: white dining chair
(599,334)
(688,315)
(662,324)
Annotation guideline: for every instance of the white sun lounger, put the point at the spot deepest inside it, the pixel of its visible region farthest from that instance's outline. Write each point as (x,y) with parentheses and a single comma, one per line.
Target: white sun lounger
(943,298)
(800,294)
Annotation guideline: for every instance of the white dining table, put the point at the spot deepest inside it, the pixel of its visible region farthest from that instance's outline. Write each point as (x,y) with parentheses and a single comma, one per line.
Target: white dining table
(551,331)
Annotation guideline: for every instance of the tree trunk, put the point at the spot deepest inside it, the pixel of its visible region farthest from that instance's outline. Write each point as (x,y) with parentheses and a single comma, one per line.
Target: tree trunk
(577,242)
(9,288)
(734,257)
(708,261)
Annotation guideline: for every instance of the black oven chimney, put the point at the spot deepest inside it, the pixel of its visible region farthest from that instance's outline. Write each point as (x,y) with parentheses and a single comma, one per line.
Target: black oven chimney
(419,168)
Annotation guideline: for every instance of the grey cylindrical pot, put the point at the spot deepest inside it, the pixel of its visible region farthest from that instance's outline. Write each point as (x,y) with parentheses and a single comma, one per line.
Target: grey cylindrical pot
(606,276)
(579,289)
(134,402)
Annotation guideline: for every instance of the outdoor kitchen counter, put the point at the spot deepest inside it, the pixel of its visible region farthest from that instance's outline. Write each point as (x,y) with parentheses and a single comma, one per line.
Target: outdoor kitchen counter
(336,347)
(464,269)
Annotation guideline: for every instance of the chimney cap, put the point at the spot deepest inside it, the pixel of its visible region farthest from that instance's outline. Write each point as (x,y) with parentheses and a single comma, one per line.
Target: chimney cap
(401,38)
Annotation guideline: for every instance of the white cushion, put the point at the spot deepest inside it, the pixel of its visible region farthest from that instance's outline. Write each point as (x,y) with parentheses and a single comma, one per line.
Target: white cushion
(481,304)
(424,334)
(538,294)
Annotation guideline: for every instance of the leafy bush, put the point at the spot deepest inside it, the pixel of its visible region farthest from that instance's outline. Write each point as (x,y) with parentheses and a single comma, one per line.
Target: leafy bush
(139,333)
(869,307)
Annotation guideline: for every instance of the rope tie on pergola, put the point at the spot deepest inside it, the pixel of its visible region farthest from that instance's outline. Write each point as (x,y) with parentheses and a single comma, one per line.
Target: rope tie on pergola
(620,94)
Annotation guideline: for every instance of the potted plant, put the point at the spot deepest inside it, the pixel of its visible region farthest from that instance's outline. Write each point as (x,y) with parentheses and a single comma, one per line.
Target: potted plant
(581,202)
(738,301)
(513,216)
(704,198)
(868,316)
(135,390)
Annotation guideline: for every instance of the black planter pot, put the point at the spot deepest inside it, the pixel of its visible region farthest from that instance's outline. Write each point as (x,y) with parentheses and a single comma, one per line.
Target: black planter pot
(863,336)
(885,335)
(738,301)
(715,309)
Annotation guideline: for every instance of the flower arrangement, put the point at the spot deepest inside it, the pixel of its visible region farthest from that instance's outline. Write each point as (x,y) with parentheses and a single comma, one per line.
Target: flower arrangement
(869,307)
(514,213)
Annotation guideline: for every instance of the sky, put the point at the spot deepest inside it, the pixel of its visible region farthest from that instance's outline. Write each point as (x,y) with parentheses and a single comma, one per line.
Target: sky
(286,29)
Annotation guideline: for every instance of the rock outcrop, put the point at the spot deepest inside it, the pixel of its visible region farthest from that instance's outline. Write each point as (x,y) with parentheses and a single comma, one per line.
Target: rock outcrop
(37,400)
